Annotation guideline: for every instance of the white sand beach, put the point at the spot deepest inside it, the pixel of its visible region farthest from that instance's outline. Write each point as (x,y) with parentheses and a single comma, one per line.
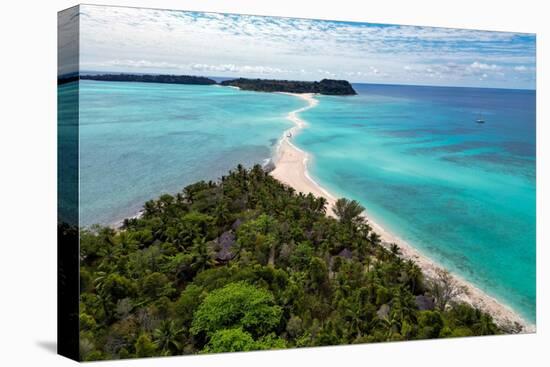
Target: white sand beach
(291,168)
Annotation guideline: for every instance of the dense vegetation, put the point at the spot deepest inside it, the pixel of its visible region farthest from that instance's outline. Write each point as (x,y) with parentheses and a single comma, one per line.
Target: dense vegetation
(248,264)
(325,86)
(154,78)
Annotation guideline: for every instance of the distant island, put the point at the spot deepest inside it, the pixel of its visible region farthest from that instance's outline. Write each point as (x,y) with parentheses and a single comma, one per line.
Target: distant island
(150,78)
(325,86)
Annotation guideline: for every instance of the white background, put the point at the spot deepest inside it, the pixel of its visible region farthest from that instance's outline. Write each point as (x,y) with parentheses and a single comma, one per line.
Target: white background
(28,182)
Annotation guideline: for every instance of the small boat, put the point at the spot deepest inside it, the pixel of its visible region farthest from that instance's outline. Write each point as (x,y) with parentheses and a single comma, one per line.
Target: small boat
(480,119)
(289,135)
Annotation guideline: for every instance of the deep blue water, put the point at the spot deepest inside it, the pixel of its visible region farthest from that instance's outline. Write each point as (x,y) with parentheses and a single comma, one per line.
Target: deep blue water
(461,192)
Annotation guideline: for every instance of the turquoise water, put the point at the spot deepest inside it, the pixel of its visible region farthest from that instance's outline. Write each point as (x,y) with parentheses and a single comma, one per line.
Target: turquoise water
(139,140)
(67,153)
(461,192)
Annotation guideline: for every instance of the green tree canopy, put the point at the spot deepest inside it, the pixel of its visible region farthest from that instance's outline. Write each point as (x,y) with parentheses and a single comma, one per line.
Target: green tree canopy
(237,305)
(230,340)
(348,211)
(145,347)
(295,278)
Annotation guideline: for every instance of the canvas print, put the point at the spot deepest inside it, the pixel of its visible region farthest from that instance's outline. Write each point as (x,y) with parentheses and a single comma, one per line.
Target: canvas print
(233,183)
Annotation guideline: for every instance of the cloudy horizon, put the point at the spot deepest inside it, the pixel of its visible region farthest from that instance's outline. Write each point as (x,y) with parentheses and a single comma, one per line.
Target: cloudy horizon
(120,39)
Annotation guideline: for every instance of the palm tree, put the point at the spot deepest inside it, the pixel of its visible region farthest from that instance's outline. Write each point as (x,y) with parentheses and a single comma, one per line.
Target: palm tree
(103,298)
(202,255)
(485,325)
(348,211)
(387,325)
(321,205)
(395,250)
(242,175)
(167,337)
(221,212)
(414,275)
(403,307)
(357,317)
(375,238)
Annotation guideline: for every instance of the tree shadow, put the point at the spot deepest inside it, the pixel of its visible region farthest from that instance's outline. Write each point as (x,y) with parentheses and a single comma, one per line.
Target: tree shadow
(48,345)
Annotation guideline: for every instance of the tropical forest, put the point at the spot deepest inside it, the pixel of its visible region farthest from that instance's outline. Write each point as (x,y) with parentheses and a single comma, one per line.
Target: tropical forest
(247,263)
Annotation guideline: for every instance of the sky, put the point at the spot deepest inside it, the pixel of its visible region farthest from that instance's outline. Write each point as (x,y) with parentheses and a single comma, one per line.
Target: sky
(137,40)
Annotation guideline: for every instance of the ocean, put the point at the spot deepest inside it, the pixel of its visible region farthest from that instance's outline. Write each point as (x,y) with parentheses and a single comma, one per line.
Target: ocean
(461,192)
(140,140)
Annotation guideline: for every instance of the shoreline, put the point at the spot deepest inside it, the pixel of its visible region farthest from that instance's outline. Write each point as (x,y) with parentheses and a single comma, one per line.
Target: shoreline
(291,168)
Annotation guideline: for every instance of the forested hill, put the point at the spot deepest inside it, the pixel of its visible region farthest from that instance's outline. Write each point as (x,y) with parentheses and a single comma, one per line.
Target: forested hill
(247,263)
(325,86)
(152,78)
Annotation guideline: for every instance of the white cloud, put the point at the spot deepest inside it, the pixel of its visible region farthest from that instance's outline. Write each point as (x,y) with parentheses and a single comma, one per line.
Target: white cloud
(118,38)
(326,73)
(139,64)
(482,66)
(232,68)
(520,68)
